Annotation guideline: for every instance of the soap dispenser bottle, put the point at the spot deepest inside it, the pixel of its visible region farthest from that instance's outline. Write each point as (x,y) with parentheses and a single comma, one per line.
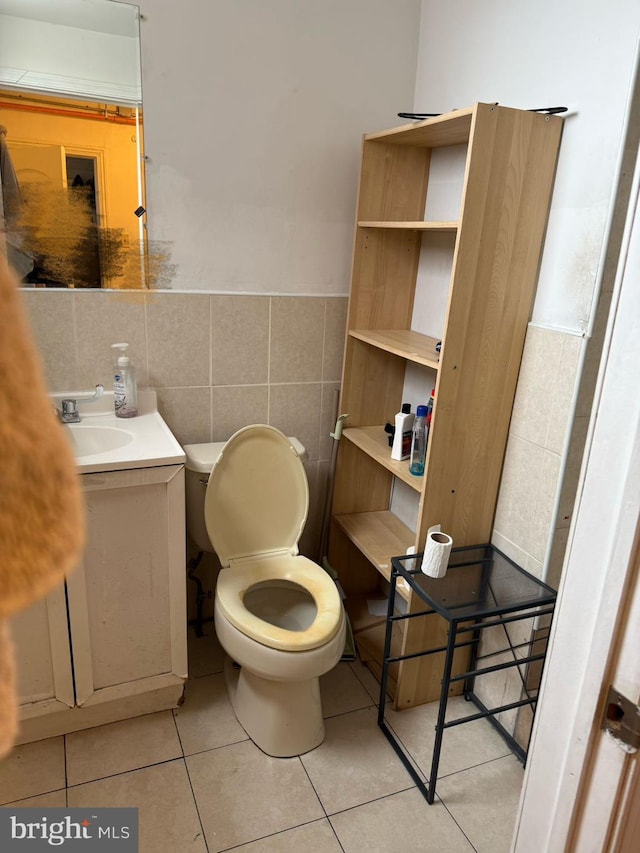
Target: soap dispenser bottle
(125,391)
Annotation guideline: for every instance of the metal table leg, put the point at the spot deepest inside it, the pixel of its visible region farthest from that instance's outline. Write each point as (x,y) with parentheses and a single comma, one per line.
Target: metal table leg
(442,711)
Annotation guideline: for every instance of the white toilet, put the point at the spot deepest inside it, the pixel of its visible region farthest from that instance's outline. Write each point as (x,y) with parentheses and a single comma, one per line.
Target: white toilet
(278,615)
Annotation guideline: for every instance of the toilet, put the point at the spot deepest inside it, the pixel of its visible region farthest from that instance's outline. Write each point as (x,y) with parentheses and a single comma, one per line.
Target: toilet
(278,615)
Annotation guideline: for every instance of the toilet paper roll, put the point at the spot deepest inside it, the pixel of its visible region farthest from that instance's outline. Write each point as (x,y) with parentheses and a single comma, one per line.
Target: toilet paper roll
(436,553)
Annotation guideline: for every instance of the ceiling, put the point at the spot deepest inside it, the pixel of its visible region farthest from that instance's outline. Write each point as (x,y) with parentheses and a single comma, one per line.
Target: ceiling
(103,16)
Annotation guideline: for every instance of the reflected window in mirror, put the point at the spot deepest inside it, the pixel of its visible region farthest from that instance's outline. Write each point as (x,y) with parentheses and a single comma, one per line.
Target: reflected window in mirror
(73,221)
(72,206)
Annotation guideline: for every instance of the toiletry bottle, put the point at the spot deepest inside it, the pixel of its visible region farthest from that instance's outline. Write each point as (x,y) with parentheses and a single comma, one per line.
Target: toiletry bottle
(430,411)
(125,391)
(419,442)
(401,447)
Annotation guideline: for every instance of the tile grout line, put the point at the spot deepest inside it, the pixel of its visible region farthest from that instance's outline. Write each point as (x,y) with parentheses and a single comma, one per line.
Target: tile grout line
(125,772)
(410,787)
(451,815)
(479,764)
(375,701)
(195,801)
(275,834)
(326,816)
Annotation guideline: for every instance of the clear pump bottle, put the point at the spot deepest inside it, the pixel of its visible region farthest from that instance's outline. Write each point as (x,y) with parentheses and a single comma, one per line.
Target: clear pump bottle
(125,391)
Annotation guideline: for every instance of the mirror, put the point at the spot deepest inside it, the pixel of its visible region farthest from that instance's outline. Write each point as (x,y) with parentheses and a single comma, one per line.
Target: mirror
(72,143)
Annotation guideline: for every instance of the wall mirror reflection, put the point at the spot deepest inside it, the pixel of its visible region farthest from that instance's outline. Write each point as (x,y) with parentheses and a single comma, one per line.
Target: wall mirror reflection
(71,138)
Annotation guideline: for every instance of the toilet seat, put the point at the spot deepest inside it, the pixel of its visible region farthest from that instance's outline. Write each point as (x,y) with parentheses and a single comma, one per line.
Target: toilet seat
(256,505)
(235,582)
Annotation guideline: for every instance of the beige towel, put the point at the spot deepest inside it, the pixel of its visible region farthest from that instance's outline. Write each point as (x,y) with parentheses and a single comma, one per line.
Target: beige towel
(41,507)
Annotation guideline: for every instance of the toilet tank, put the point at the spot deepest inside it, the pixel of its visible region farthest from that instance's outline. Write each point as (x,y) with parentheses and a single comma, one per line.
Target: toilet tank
(198,465)
(199,462)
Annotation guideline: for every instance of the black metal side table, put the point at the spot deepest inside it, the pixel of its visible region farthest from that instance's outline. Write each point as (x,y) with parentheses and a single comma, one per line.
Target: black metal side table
(482,589)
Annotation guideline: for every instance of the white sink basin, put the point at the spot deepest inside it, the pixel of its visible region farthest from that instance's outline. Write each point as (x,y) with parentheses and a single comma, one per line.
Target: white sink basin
(88,440)
(103,442)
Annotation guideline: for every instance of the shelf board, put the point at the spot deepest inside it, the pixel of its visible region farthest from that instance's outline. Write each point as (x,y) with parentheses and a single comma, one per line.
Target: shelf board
(413,346)
(372,440)
(451,128)
(379,536)
(411,226)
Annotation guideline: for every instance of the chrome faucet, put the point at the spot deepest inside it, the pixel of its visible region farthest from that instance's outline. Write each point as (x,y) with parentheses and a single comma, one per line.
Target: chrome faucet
(68,411)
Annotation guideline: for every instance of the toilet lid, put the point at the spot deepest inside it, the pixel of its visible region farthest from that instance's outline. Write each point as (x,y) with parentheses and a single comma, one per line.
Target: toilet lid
(257,498)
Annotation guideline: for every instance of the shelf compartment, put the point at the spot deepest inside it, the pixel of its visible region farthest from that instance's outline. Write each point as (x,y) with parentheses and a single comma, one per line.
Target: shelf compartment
(450,128)
(369,635)
(373,441)
(451,226)
(412,346)
(379,536)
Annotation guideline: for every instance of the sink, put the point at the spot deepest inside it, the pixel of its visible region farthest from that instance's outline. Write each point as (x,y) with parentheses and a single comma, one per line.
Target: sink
(89,440)
(103,442)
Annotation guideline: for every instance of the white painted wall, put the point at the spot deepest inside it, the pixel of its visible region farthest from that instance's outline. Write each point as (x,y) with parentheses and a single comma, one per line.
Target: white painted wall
(575,53)
(529,55)
(253,117)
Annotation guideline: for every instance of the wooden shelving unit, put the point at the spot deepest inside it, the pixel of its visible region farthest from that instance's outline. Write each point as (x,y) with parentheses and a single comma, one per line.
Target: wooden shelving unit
(497,243)
(412,226)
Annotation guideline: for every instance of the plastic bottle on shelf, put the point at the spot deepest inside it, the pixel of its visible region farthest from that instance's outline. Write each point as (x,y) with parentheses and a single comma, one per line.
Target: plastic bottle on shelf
(419,442)
(401,448)
(430,411)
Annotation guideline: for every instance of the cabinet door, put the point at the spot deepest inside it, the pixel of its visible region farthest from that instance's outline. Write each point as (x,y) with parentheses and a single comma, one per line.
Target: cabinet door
(127,607)
(43,658)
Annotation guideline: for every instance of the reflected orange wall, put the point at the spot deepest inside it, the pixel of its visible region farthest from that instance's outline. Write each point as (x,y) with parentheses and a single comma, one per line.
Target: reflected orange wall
(115,142)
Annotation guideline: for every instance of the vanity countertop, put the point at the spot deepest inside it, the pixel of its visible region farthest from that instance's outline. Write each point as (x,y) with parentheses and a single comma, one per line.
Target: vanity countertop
(144,441)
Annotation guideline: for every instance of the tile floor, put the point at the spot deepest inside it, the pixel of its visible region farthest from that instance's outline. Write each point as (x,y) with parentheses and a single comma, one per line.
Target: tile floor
(201,785)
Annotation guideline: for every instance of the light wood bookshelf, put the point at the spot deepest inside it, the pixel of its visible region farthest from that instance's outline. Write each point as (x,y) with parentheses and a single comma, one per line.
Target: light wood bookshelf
(498,237)
(412,226)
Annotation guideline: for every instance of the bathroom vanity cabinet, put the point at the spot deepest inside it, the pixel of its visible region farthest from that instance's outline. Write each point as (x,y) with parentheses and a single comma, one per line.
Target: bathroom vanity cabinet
(111,643)
(451,218)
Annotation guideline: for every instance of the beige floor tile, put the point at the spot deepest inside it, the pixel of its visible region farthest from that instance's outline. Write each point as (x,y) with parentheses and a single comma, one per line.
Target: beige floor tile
(462,746)
(484,802)
(398,824)
(341,691)
(122,746)
(367,679)
(31,769)
(206,655)
(53,800)
(316,837)
(355,763)
(243,794)
(206,720)
(167,817)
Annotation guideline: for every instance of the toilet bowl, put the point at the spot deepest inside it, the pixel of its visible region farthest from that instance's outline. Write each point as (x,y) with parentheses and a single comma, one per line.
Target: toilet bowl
(278,615)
